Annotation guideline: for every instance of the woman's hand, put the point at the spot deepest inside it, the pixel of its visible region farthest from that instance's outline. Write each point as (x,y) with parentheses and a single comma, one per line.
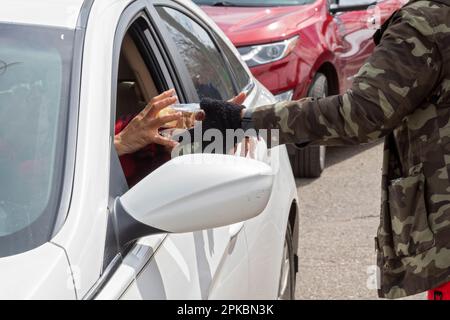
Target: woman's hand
(143,129)
(239,99)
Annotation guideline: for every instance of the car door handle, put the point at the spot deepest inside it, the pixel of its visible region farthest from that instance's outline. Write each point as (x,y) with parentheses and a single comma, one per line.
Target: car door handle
(372,21)
(339,49)
(235,229)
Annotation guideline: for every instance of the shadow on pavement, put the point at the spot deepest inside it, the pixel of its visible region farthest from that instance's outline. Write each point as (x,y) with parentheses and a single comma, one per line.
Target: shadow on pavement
(336,155)
(339,154)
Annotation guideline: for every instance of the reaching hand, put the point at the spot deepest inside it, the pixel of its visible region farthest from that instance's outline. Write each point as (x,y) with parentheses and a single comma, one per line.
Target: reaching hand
(221,115)
(143,129)
(239,99)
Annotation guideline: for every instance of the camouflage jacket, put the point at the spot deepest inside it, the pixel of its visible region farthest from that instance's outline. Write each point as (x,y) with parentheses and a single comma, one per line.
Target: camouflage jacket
(402,94)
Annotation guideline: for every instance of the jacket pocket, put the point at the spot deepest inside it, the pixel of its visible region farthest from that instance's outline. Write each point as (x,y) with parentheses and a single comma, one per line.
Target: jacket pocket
(411,232)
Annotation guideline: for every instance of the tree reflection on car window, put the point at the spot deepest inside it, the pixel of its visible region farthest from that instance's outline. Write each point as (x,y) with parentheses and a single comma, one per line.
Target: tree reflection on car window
(203,60)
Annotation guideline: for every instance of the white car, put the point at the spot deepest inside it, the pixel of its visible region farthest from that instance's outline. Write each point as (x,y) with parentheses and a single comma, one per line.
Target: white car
(202,226)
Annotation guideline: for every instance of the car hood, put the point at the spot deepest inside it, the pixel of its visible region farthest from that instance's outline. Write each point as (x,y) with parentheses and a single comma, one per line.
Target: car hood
(256,25)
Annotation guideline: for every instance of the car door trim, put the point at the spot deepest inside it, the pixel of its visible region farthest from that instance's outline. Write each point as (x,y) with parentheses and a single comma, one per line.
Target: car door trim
(135,10)
(105,277)
(73,113)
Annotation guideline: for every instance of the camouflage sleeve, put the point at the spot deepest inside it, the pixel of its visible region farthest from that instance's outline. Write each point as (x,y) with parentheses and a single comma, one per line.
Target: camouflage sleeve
(398,76)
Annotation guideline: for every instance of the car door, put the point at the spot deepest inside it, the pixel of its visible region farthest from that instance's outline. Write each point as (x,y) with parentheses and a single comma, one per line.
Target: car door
(218,265)
(200,265)
(356,29)
(265,233)
(387,7)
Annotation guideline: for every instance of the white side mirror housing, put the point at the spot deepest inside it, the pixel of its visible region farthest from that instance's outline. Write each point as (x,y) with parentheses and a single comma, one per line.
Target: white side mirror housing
(194,192)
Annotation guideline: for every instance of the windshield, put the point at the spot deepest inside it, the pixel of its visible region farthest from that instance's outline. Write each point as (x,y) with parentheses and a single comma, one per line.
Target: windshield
(35,68)
(253,3)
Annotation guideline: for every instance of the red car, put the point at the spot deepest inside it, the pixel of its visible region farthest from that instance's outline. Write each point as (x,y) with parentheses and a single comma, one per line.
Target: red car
(299,48)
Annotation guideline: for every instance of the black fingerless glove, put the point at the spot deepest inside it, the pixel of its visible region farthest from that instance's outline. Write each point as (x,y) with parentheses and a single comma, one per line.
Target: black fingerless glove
(221,115)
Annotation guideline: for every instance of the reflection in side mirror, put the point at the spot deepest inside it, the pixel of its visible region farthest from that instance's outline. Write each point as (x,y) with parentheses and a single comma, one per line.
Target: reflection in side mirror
(335,8)
(192,193)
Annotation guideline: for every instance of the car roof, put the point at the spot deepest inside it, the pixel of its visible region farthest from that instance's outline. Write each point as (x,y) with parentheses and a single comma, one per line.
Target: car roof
(57,13)
(60,13)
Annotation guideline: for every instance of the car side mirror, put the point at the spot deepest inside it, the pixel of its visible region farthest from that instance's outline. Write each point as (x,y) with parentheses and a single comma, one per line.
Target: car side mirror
(192,193)
(336,8)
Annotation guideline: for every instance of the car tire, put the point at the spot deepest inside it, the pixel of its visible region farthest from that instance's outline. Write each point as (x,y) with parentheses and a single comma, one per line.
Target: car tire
(309,162)
(286,288)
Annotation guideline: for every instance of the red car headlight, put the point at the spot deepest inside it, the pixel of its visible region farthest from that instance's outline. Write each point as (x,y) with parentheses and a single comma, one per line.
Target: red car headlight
(266,53)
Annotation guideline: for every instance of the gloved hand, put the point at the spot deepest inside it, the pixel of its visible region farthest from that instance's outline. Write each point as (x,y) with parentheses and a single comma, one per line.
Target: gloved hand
(219,115)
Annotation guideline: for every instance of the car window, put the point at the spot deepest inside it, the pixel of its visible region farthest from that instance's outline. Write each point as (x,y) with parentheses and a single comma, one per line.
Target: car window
(139,79)
(240,73)
(203,60)
(35,72)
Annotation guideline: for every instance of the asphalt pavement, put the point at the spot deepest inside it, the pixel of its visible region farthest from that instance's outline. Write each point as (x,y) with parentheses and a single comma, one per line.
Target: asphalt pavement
(338,222)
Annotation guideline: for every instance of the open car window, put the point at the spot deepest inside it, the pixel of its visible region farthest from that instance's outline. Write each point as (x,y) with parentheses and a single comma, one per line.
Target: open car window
(140,78)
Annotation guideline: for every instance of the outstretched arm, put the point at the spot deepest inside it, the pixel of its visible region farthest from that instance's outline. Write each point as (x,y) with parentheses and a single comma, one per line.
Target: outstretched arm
(395,81)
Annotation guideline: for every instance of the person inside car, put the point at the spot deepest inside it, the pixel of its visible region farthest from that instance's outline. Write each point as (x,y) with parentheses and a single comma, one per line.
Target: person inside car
(138,142)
